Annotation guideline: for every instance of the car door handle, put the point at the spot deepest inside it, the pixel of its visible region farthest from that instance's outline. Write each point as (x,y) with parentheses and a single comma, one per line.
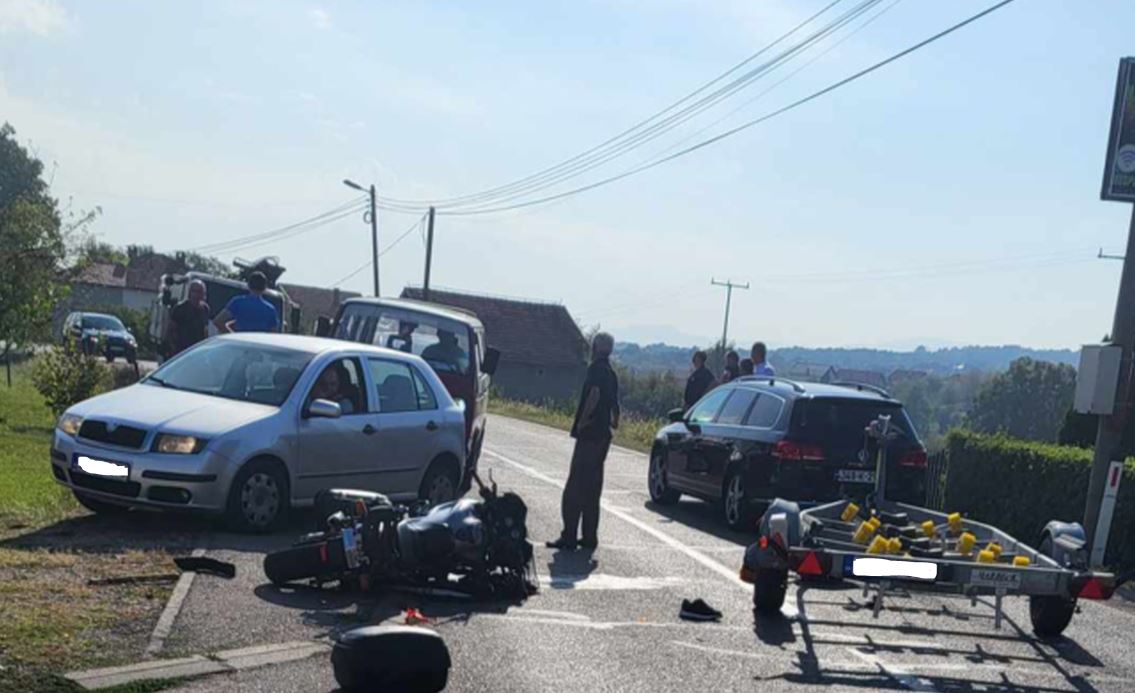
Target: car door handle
(369,430)
(431,426)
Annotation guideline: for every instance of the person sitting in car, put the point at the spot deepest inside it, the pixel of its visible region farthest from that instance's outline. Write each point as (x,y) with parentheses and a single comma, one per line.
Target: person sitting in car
(404,340)
(446,351)
(334,385)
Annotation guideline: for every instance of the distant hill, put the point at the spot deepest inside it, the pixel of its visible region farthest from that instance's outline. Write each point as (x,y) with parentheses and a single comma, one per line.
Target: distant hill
(656,357)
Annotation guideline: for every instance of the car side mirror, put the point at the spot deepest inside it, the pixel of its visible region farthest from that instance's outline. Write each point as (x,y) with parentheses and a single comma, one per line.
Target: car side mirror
(676,415)
(323,409)
(491,361)
(322,326)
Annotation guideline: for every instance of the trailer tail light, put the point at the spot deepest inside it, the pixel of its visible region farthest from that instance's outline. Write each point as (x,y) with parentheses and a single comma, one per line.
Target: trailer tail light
(1095,588)
(792,450)
(916,458)
(810,565)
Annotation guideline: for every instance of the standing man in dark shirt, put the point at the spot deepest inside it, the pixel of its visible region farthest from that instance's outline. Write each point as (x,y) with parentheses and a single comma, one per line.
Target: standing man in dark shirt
(700,380)
(732,366)
(188,321)
(595,419)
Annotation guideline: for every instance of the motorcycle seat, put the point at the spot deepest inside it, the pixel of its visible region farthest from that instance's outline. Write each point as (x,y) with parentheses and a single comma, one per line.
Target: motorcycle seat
(422,541)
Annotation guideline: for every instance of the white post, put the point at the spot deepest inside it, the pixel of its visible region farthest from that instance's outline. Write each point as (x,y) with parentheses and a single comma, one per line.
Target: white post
(1107,509)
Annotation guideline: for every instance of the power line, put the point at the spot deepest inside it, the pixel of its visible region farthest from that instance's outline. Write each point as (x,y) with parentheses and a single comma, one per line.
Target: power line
(509,187)
(349,208)
(416,225)
(733,131)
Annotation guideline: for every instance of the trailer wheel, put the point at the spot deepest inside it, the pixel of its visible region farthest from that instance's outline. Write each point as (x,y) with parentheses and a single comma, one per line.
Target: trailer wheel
(1050,614)
(769,587)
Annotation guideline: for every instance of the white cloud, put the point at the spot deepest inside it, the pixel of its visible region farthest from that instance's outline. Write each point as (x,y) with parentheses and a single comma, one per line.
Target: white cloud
(320,18)
(39,17)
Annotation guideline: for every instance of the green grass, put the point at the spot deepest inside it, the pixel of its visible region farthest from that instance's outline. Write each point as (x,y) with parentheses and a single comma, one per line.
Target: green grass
(28,492)
(633,433)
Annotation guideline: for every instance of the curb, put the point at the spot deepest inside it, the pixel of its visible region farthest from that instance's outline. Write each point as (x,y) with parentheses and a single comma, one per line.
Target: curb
(164,626)
(226,661)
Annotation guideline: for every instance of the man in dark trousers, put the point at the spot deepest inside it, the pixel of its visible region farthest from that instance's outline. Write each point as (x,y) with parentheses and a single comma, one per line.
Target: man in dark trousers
(188,321)
(595,420)
(699,382)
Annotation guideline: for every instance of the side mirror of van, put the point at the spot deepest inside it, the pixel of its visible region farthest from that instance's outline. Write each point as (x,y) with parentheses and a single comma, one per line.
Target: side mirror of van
(323,326)
(491,361)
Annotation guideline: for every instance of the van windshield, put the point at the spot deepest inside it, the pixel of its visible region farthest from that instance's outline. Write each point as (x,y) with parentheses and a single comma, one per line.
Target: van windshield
(441,342)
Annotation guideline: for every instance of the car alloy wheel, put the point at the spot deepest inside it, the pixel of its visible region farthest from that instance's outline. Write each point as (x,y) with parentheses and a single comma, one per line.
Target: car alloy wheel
(657,476)
(734,500)
(260,499)
(441,490)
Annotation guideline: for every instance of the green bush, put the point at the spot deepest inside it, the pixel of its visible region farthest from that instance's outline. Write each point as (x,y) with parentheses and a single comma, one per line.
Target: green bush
(64,375)
(1018,486)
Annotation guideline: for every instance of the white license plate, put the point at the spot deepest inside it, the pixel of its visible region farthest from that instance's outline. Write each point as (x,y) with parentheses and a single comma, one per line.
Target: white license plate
(855,476)
(113,470)
(887,568)
(990,577)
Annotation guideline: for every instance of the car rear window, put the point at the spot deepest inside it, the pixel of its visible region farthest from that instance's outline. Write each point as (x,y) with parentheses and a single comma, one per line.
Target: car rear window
(840,423)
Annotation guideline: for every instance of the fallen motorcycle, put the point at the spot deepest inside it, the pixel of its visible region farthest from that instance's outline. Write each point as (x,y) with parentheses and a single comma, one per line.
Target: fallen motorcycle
(467,547)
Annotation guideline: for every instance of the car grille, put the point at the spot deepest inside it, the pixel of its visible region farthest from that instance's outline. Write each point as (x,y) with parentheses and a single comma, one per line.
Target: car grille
(122,436)
(129,489)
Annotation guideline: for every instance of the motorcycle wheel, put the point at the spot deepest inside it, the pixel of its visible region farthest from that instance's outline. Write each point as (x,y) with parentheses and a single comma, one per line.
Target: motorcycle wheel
(322,559)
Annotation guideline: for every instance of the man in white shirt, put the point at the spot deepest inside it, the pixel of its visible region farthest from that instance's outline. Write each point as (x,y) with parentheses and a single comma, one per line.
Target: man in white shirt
(761,366)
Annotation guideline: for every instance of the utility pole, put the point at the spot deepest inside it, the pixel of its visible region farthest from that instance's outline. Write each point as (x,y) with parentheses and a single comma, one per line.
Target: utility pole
(729,286)
(429,254)
(374,238)
(1118,186)
(373,226)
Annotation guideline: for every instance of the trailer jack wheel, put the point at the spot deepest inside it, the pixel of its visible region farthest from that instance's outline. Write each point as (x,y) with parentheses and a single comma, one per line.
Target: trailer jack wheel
(769,587)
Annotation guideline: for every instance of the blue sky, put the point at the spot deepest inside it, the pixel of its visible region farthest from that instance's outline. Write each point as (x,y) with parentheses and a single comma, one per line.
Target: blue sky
(952,197)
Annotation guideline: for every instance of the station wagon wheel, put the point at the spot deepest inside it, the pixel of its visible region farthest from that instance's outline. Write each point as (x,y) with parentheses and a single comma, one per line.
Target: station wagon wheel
(439,485)
(258,498)
(735,502)
(657,482)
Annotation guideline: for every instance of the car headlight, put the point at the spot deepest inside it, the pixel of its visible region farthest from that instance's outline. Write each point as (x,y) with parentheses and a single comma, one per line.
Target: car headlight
(69,424)
(178,445)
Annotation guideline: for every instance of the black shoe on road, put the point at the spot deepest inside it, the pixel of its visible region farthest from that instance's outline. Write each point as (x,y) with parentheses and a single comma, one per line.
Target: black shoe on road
(698,610)
(562,544)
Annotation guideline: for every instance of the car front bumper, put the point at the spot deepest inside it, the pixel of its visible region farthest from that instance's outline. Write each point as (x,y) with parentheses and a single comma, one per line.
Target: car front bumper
(197,482)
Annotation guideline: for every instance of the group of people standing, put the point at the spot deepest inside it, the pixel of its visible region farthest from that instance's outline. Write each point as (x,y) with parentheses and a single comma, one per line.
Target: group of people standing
(702,380)
(189,320)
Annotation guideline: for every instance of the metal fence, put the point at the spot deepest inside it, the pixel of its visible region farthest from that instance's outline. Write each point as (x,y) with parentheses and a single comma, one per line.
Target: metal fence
(937,468)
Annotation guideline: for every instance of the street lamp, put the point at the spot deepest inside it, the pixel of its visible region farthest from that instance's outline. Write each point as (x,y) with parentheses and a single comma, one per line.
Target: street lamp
(373,227)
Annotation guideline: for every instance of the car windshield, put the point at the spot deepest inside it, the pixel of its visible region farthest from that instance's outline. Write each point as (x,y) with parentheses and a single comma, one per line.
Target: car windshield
(102,322)
(235,370)
(441,342)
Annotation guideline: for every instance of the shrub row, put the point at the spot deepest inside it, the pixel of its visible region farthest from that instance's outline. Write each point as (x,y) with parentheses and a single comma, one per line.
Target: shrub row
(1018,486)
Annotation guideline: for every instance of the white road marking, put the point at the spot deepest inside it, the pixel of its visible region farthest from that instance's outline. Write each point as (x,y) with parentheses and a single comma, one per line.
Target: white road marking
(569,615)
(519,617)
(732,576)
(903,676)
(165,622)
(603,581)
(723,651)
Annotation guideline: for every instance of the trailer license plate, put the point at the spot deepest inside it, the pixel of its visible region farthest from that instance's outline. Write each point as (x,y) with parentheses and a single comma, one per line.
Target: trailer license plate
(986,577)
(855,476)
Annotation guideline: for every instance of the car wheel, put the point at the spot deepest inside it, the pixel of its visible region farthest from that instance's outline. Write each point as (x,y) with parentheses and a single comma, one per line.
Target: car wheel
(657,482)
(258,498)
(99,507)
(439,485)
(735,503)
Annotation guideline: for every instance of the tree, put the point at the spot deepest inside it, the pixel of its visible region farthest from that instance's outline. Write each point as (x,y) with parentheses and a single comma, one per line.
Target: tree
(92,251)
(203,263)
(32,246)
(1030,400)
(135,251)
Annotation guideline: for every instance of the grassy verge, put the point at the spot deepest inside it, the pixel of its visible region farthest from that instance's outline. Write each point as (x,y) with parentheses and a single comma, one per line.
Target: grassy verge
(51,619)
(633,433)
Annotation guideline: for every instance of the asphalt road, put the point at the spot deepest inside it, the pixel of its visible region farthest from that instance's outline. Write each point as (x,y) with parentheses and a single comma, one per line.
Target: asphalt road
(609,621)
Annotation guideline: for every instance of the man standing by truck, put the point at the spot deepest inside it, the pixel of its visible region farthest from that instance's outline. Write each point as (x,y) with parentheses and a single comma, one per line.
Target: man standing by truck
(188,321)
(250,312)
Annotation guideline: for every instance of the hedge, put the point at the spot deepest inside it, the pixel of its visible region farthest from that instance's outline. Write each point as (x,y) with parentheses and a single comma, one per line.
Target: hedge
(1018,486)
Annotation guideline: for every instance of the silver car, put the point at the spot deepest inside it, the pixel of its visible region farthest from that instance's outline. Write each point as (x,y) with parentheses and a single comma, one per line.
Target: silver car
(251,424)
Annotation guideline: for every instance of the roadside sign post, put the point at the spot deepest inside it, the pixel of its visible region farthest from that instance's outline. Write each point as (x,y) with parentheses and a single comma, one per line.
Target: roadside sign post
(1119,186)
(1107,509)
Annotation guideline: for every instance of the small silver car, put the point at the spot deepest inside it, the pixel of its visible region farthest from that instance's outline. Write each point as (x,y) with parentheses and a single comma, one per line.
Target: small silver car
(251,424)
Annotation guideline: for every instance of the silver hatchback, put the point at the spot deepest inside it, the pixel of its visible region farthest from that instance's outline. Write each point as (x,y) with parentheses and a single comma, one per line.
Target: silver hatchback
(251,424)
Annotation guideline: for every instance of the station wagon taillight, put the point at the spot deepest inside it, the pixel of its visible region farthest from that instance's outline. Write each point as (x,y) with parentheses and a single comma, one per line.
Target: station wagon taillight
(792,450)
(915,458)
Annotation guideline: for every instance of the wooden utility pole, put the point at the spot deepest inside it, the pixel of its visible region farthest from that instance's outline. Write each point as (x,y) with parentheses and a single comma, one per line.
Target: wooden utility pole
(374,238)
(729,286)
(429,254)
